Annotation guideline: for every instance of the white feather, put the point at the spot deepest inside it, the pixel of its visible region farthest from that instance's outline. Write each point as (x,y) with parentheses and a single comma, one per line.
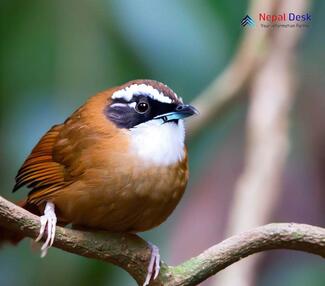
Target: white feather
(137,89)
(118,104)
(158,144)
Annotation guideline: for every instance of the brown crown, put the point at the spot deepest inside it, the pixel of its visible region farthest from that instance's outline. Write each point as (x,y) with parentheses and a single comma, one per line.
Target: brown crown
(157,85)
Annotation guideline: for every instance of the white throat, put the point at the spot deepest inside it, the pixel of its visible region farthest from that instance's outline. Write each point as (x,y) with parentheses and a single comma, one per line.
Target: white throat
(157,143)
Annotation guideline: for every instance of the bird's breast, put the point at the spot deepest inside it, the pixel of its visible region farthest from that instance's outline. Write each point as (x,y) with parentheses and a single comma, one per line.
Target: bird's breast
(158,144)
(121,193)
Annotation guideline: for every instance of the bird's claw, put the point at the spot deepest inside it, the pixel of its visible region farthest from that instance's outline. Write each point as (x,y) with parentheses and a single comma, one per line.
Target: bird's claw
(154,265)
(48,219)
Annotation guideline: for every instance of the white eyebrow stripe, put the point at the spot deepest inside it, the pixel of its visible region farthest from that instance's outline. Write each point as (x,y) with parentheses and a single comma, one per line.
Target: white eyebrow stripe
(137,89)
(132,104)
(118,104)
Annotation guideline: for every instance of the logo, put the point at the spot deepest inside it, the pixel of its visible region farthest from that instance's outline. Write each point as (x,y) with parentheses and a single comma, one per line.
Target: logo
(247,20)
(292,17)
(284,20)
(280,20)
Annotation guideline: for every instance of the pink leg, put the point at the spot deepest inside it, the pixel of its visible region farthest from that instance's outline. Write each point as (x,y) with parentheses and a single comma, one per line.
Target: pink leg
(47,220)
(154,264)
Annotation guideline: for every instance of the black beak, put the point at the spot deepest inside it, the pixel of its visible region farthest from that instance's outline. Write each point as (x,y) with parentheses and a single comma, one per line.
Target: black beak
(181,111)
(185,110)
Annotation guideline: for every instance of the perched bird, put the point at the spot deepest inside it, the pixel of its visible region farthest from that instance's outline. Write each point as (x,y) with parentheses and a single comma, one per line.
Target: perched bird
(118,163)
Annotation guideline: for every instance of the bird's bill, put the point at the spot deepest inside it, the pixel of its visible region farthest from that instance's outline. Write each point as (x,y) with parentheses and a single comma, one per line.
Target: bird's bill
(181,111)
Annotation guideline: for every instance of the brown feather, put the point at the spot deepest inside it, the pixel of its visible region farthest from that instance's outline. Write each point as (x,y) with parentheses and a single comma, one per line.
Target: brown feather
(40,168)
(85,167)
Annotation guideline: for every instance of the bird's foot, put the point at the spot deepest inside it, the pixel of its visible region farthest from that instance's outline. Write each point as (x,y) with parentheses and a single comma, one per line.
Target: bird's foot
(154,264)
(48,219)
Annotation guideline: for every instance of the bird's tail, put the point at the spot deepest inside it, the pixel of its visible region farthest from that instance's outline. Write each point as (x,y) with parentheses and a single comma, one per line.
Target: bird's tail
(9,236)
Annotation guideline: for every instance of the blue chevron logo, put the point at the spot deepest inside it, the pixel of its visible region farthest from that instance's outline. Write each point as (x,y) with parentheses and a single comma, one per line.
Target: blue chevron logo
(247,21)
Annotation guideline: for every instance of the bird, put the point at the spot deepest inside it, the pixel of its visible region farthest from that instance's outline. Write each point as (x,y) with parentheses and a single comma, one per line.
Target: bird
(119,163)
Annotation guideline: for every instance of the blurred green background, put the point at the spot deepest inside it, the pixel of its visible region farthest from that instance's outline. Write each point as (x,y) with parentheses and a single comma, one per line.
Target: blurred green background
(55,54)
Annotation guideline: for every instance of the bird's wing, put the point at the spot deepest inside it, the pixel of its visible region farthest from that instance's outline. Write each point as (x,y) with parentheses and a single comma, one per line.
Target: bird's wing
(60,158)
(40,171)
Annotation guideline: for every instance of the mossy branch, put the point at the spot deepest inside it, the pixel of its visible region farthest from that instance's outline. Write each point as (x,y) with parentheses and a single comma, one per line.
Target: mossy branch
(132,253)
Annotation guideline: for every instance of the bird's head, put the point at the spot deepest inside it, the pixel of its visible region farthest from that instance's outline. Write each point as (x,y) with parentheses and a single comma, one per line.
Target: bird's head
(152,114)
(138,102)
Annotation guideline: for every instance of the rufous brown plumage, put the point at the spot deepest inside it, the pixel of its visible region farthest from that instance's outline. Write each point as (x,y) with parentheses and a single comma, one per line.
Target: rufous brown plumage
(118,163)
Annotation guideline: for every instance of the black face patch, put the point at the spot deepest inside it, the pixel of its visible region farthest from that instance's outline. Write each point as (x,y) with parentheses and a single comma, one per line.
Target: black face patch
(129,114)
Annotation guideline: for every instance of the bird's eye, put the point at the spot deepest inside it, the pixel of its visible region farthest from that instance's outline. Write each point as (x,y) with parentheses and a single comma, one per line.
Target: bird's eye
(142,107)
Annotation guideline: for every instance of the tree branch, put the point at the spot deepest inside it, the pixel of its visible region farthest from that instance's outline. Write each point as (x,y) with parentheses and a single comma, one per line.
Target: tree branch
(272,95)
(223,91)
(131,253)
